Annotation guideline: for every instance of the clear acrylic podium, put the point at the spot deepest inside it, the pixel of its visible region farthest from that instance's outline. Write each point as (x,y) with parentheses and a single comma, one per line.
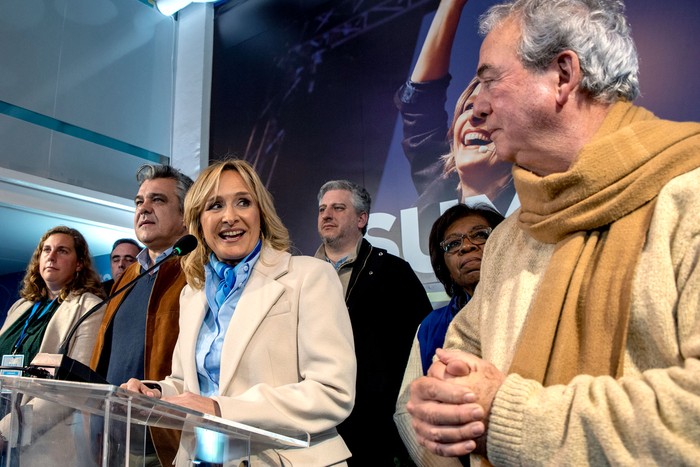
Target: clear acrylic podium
(64,423)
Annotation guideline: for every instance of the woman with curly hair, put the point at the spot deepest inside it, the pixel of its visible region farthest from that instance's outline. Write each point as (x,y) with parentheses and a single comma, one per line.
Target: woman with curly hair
(60,285)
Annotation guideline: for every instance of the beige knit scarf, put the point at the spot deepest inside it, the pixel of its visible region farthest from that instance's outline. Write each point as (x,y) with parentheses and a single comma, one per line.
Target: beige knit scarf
(597,213)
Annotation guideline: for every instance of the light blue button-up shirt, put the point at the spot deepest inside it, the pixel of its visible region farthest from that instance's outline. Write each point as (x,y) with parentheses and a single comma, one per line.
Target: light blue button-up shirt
(211,335)
(144,259)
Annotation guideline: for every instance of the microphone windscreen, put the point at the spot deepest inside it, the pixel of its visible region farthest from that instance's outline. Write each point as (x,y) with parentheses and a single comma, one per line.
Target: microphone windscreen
(185,245)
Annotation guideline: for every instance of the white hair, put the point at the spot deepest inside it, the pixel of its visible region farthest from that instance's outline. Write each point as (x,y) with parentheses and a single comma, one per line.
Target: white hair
(596,30)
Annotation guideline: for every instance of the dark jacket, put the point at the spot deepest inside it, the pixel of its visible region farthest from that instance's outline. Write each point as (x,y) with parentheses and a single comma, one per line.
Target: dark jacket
(107,286)
(386,302)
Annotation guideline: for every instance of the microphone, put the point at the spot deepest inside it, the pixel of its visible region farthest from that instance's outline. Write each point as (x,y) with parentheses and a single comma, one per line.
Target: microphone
(183,246)
(60,365)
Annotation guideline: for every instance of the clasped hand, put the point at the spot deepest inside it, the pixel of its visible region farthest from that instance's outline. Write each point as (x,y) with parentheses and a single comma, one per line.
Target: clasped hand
(451,405)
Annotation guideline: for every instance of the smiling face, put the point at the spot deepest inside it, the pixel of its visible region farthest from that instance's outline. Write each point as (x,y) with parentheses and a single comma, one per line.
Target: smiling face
(157,220)
(469,135)
(58,262)
(479,170)
(231,219)
(464,264)
(519,106)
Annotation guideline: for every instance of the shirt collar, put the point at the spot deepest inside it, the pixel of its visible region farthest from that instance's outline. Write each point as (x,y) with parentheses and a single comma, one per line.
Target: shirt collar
(144,258)
(346,260)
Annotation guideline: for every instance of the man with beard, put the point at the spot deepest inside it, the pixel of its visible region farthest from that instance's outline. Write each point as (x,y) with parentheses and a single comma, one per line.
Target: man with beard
(386,302)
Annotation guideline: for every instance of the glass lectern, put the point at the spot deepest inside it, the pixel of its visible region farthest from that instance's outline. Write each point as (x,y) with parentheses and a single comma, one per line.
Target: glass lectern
(50,422)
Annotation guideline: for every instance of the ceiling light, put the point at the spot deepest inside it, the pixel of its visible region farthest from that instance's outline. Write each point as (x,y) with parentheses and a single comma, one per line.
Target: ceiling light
(170,7)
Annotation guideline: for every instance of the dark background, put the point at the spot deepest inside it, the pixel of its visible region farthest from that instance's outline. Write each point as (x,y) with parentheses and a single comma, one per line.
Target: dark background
(304,90)
(318,112)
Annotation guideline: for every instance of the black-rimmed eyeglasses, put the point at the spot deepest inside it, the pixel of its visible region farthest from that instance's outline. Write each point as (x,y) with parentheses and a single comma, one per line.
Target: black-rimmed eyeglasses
(454,243)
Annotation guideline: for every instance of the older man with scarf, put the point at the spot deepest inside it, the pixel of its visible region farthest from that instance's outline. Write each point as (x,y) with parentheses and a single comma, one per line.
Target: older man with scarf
(582,342)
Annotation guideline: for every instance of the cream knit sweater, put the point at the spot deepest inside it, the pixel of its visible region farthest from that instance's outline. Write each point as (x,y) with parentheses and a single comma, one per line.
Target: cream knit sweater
(651,416)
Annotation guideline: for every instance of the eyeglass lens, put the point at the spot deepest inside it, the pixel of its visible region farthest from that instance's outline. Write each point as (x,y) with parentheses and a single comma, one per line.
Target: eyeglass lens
(476,238)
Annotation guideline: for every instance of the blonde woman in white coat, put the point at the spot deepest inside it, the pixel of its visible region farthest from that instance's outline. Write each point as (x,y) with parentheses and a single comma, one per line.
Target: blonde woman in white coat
(265,338)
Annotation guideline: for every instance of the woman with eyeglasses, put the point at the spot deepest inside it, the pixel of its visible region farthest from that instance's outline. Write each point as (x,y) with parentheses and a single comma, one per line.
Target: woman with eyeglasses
(456,244)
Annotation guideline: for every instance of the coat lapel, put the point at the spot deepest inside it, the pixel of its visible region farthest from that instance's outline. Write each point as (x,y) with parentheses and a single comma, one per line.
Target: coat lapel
(61,321)
(259,296)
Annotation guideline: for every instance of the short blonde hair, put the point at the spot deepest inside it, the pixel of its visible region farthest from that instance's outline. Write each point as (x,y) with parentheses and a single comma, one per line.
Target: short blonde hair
(272,231)
(449,158)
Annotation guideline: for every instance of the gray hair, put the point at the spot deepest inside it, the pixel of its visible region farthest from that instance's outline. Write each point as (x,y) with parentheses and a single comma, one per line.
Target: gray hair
(154,171)
(361,200)
(596,30)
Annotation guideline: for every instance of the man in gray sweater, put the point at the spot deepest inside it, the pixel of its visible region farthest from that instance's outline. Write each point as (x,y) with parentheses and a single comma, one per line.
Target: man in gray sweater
(581,344)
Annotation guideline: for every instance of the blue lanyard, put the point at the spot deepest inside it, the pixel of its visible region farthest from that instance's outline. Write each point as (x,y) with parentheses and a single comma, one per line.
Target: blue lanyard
(23,334)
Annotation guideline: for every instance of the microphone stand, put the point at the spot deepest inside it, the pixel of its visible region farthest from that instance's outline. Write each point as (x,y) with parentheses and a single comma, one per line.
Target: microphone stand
(63,349)
(60,365)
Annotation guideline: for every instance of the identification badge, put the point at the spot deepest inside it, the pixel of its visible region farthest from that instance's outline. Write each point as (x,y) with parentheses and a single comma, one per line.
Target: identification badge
(14,361)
